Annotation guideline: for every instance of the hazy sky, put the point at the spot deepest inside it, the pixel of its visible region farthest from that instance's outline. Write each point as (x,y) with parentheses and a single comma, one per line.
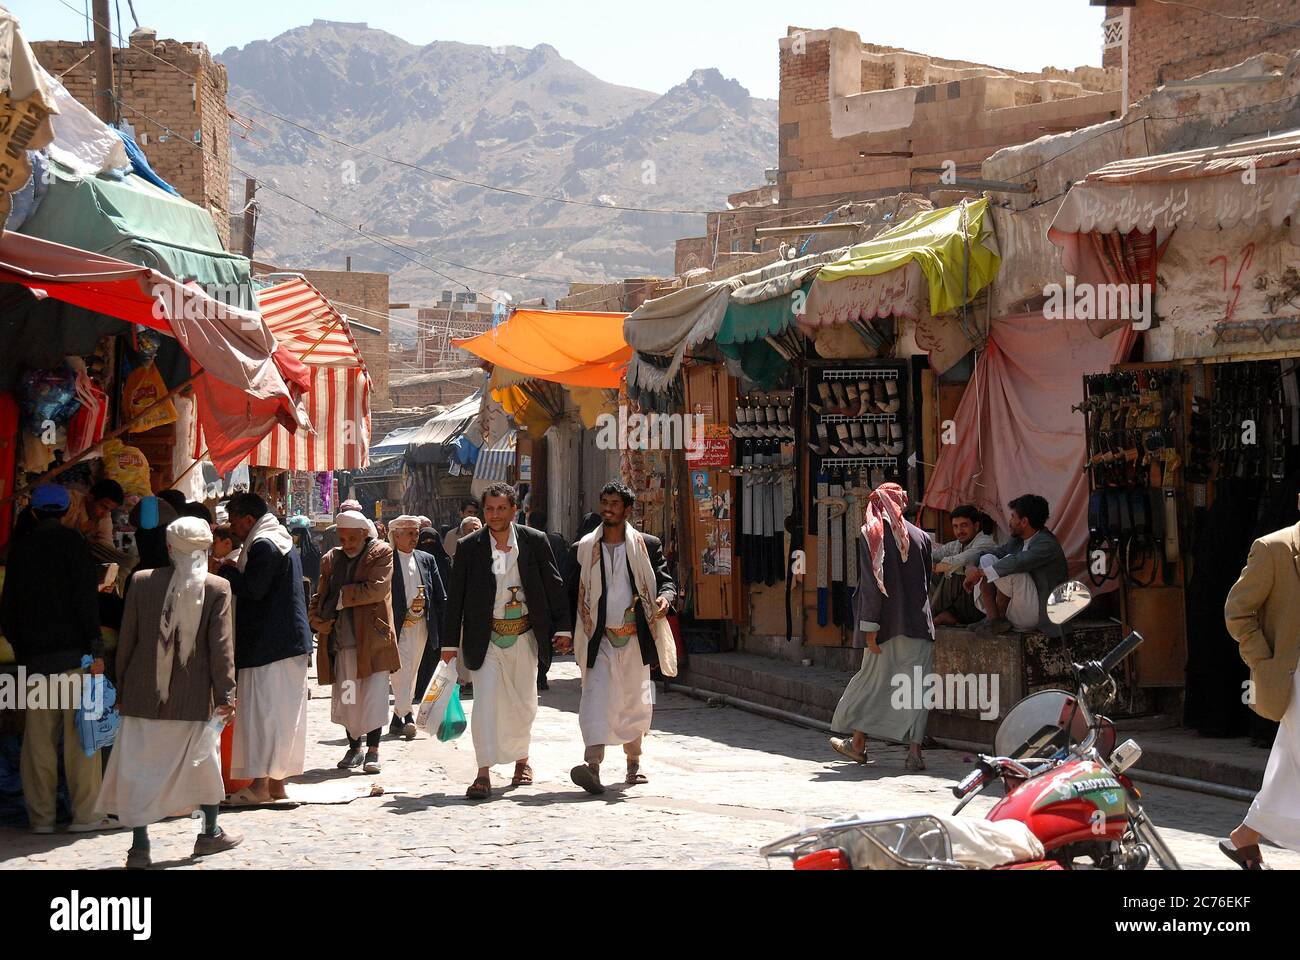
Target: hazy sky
(650,45)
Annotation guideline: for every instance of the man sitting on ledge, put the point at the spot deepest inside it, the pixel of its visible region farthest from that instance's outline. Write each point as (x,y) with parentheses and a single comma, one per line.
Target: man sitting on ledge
(952,605)
(1012,582)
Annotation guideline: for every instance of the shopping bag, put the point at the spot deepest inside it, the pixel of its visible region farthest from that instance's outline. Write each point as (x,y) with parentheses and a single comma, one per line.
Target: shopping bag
(97,718)
(453,721)
(436,698)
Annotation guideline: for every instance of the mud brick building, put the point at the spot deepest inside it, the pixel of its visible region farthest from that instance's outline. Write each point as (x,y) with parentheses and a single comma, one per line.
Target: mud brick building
(180,123)
(1174,41)
(860,121)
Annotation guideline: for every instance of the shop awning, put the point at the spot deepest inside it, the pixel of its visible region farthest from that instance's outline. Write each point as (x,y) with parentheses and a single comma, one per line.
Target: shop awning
(497,462)
(670,325)
(954,248)
(1195,188)
(132,220)
(246,388)
(436,430)
(338,401)
(572,348)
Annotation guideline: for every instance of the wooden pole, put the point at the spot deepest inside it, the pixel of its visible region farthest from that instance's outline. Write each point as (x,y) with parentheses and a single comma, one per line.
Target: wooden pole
(105,104)
(250,215)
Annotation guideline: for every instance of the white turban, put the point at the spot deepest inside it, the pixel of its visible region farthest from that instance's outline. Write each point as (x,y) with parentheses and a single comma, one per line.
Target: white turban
(188,540)
(405,520)
(355,520)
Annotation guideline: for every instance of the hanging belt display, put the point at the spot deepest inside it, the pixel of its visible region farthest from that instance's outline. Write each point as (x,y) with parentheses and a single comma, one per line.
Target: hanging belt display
(835,492)
(823,549)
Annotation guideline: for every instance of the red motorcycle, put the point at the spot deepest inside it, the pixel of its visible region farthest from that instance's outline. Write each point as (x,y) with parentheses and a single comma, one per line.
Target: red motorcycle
(1068,804)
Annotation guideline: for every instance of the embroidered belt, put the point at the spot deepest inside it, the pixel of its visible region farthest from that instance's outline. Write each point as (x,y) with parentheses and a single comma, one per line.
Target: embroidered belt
(506,632)
(619,636)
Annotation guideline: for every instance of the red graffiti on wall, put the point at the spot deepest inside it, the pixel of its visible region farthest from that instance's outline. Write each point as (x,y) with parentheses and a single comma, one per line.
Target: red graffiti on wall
(1247,254)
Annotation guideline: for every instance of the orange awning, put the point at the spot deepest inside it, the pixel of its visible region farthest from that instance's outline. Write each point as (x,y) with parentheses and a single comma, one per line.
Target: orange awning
(573,348)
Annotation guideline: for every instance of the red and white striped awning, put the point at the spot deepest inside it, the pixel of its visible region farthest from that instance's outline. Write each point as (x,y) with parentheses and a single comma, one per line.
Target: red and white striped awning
(338,403)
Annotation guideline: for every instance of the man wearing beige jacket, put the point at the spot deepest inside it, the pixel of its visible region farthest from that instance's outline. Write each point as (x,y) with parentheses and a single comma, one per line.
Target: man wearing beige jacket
(1263,616)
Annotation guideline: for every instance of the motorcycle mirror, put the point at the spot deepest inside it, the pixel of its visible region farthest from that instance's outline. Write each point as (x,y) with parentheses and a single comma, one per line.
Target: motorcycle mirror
(1067,601)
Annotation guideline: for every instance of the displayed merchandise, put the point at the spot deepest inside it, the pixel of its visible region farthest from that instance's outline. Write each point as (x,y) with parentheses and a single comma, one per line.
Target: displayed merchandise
(141,393)
(128,466)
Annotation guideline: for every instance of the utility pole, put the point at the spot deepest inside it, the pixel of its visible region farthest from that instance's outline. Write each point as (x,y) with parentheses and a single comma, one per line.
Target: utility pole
(250,215)
(105,103)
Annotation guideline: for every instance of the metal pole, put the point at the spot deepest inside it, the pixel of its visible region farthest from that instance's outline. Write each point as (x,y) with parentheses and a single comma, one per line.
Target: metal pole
(250,215)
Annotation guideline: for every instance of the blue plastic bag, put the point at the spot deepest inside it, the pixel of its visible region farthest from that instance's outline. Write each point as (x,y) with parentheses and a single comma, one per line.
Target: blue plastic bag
(97,718)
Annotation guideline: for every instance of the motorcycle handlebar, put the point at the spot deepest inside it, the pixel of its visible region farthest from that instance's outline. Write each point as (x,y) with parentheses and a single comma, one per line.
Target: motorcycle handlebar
(1116,656)
(972,780)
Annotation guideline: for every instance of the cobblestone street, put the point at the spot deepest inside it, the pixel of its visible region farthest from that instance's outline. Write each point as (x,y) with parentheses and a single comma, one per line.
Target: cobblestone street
(722,782)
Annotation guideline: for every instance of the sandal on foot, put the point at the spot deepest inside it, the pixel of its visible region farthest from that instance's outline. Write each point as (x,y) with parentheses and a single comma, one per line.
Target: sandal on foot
(635,777)
(523,776)
(244,798)
(845,749)
(587,778)
(480,789)
(914,762)
(1248,857)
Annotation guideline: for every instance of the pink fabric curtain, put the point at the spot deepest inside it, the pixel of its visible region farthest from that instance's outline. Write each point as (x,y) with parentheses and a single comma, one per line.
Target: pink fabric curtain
(1015,432)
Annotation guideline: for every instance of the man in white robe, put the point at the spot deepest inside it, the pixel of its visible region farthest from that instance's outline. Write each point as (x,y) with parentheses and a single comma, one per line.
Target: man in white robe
(418,599)
(624,593)
(1261,614)
(506,603)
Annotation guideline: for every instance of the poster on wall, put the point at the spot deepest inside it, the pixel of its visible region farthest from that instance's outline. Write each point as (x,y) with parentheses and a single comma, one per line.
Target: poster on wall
(700,486)
(713,449)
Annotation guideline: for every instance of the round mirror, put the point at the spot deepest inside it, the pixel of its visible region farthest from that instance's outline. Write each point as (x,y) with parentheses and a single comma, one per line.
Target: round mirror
(1067,601)
(1033,727)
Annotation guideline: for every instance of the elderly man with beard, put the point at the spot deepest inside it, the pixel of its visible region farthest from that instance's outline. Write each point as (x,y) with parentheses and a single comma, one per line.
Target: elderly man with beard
(175,670)
(505,605)
(352,615)
(624,592)
(418,599)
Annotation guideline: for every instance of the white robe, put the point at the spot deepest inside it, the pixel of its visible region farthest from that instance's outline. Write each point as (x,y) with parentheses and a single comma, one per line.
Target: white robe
(152,774)
(617,694)
(1275,812)
(410,641)
(270,733)
(358,705)
(505,686)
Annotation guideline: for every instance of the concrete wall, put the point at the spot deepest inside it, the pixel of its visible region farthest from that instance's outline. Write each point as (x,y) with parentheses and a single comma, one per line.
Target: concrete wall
(180,123)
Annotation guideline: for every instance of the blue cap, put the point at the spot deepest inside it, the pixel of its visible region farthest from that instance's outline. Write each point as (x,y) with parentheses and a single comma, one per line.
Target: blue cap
(50,496)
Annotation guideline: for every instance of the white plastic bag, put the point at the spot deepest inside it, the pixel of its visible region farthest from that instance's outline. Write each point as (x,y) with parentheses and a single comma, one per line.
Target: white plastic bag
(436,698)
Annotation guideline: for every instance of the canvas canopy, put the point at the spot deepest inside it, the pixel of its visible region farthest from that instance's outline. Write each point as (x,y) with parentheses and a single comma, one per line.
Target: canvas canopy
(569,347)
(338,400)
(249,384)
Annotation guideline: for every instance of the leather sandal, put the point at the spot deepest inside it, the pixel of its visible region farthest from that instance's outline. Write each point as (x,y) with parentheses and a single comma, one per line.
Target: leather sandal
(480,789)
(1248,858)
(634,775)
(523,776)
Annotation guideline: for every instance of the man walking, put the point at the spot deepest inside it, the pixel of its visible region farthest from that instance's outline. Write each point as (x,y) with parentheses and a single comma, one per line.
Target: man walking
(418,601)
(1262,611)
(624,593)
(175,670)
(1014,580)
(505,604)
(272,652)
(50,615)
(352,614)
(892,621)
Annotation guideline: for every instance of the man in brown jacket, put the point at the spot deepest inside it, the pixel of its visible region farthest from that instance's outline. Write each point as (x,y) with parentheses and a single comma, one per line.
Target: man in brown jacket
(352,614)
(175,671)
(1263,616)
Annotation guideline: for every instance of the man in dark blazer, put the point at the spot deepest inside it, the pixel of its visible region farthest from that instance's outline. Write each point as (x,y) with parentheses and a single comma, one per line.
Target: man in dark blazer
(418,601)
(506,604)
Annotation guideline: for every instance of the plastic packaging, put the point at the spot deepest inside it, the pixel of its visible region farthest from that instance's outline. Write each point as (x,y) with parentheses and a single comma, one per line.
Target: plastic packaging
(211,738)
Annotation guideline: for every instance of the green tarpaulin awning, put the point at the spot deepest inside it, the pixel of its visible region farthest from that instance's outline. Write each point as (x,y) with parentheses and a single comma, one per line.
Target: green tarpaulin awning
(133,220)
(938,240)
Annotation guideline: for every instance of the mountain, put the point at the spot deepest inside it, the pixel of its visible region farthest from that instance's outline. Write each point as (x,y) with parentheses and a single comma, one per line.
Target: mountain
(528,120)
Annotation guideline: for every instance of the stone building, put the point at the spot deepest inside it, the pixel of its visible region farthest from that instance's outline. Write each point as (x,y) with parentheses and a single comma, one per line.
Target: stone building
(174,96)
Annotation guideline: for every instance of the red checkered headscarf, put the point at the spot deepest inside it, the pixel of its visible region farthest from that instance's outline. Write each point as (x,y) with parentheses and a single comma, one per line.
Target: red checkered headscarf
(887,502)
